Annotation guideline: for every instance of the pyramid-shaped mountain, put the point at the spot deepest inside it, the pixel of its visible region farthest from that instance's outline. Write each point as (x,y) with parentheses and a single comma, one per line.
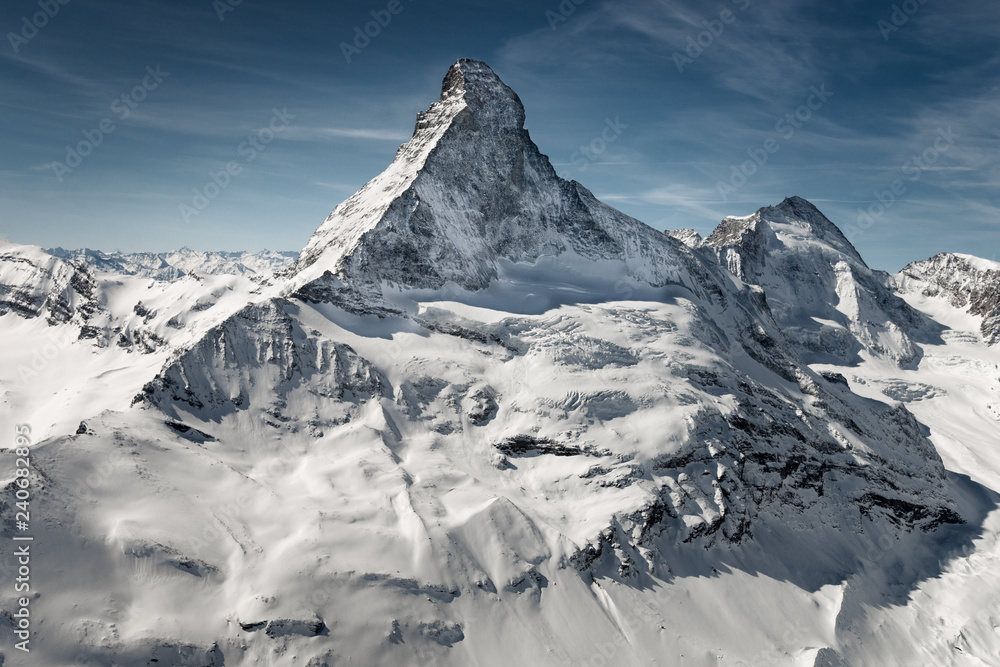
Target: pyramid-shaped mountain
(471,190)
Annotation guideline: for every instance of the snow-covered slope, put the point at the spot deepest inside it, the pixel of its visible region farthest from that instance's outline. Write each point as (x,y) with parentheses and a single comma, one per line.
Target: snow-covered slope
(173,265)
(819,289)
(966,282)
(951,619)
(76,342)
(488,420)
(36,284)
(388,491)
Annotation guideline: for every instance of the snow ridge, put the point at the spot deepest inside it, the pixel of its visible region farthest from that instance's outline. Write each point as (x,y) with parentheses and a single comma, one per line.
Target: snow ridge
(966,282)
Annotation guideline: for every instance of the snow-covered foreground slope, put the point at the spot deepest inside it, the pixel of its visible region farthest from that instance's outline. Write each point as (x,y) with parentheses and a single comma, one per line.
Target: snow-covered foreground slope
(551,486)
(955,392)
(488,420)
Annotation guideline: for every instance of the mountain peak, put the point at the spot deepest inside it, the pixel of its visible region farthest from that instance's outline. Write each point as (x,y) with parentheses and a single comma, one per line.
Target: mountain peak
(473,97)
(797,209)
(794,216)
(469,192)
(820,291)
(799,206)
(484,94)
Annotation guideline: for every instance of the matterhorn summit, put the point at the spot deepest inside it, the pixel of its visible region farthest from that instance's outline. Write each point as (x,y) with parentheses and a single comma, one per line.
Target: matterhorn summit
(470,192)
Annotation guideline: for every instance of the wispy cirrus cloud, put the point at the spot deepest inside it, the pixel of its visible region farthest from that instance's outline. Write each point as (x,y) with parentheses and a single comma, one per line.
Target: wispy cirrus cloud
(681,201)
(375,134)
(764,49)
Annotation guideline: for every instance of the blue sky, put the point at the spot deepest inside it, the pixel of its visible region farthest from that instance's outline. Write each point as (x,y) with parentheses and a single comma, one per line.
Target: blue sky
(698,91)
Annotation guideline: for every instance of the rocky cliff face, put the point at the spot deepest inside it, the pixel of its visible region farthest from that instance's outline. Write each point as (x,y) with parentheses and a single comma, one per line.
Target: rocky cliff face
(36,284)
(818,288)
(470,191)
(257,357)
(966,282)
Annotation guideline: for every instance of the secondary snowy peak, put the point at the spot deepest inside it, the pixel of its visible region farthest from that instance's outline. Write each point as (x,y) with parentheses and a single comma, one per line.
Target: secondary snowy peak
(819,289)
(469,192)
(33,283)
(688,237)
(795,218)
(967,282)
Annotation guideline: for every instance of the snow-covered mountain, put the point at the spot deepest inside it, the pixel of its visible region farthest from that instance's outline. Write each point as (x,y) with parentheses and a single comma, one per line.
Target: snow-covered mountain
(966,282)
(33,283)
(469,194)
(77,340)
(819,289)
(173,265)
(487,419)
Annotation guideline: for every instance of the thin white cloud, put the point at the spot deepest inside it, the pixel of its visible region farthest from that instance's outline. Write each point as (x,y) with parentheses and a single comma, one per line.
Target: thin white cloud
(679,198)
(372,134)
(366,133)
(768,51)
(54,71)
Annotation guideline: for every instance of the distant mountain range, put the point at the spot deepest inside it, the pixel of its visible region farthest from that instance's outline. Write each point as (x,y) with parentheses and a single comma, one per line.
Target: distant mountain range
(173,265)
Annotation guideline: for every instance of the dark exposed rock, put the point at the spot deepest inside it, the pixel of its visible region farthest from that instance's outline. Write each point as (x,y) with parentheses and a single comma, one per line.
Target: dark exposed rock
(527,445)
(469,190)
(190,433)
(835,378)
(965,282)
(482,406)
(806,267)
